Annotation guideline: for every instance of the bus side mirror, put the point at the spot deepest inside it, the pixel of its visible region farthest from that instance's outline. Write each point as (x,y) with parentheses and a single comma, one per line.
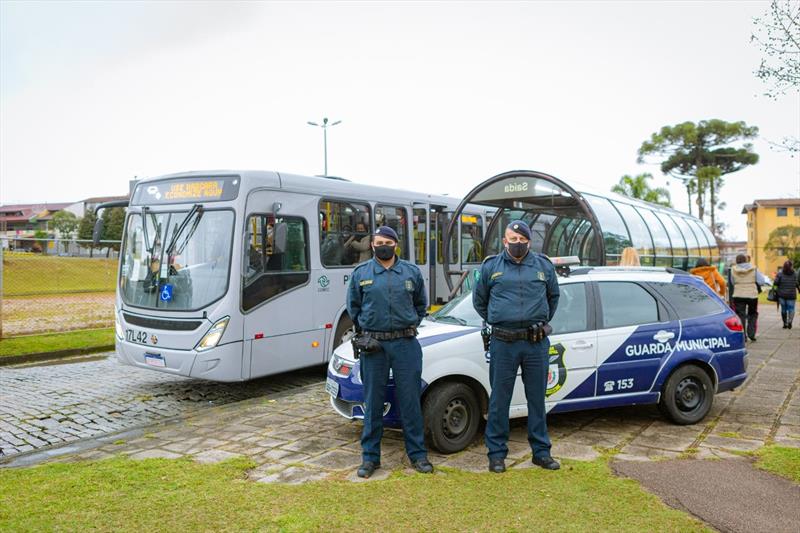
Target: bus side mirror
(279,240)
(97,233)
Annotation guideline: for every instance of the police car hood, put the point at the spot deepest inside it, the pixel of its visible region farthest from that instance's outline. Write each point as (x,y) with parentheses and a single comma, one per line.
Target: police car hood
(430,333)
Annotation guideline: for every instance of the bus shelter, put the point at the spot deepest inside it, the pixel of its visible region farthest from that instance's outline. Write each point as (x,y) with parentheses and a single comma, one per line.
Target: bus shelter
(592,226)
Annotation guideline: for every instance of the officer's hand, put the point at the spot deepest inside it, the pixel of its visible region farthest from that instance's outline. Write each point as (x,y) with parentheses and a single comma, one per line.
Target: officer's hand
(547,329)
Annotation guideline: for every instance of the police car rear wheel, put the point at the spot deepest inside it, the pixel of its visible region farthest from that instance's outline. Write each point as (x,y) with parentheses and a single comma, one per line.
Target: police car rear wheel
(452,416)
(688,395)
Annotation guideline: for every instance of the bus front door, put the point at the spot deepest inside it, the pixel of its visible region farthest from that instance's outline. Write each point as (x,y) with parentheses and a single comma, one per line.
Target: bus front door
(278,290)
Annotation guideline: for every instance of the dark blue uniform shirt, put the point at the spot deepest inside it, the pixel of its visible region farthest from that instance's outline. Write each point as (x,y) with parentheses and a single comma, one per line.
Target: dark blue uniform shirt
(516,295)
(380,299)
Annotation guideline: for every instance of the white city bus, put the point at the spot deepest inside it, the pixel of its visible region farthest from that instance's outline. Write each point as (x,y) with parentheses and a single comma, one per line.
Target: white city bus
(229,275)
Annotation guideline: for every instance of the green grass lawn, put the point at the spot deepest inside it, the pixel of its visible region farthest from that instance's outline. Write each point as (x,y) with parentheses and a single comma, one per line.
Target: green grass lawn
(179,495)
(780,460)
(27,274)
(86,339)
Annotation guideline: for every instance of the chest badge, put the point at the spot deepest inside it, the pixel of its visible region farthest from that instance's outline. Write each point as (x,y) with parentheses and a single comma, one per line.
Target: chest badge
(409,285)
(541,276)
(496,275)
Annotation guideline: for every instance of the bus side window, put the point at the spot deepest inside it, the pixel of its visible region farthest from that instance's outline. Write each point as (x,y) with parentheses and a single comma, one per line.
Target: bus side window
(420,236)
(344,233)
(395,218)
(471,238)
(267,272)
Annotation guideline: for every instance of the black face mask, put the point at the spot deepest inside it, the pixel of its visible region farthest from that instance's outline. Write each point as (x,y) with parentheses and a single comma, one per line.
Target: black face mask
(517,249)
(385,252)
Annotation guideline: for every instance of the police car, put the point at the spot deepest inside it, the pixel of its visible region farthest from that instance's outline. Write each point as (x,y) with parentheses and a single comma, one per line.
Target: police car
(621,336)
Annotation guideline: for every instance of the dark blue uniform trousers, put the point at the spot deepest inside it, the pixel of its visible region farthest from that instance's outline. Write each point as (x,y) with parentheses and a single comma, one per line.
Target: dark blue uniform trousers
(404,357)
(506,358)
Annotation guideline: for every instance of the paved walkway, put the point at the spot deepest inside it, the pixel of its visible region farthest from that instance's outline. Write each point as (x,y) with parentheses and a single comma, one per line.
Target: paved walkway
(729,494)
(54,404)
(294,436)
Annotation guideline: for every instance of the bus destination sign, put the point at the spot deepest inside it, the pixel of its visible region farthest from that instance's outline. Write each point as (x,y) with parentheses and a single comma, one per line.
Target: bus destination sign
(187,190)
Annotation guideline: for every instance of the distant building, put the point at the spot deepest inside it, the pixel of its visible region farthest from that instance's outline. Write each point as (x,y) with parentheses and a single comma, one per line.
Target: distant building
(730,249)
(81,208)
(20,222)
(24,220)
(764,216)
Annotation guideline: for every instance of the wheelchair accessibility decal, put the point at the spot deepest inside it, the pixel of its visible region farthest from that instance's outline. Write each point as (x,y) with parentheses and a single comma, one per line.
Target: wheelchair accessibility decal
(166,293)
(557,373)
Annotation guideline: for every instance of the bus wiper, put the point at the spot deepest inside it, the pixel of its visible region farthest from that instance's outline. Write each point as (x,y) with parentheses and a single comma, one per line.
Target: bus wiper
(196,209)
(147,246)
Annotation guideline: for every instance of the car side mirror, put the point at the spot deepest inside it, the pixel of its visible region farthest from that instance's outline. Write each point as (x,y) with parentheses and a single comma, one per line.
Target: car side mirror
(280,235)
(97,233)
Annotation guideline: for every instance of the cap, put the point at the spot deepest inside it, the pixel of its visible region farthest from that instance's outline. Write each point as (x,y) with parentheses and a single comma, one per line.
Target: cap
(386,232)
(520,227)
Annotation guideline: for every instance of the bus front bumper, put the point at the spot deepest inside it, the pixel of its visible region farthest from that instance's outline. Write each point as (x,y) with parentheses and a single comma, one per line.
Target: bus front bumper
(222,363)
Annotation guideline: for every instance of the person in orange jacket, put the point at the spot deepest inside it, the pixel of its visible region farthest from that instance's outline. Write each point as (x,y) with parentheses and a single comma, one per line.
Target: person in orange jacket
(711,276)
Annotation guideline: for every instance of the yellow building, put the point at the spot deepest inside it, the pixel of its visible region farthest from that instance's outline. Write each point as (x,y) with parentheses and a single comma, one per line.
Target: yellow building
(763,216)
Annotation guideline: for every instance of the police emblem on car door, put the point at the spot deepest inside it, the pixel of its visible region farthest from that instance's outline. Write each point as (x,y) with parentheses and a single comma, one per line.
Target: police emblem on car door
(557,371)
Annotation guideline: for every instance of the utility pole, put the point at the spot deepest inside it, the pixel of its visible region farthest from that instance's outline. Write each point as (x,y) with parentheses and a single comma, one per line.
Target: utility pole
(325,127)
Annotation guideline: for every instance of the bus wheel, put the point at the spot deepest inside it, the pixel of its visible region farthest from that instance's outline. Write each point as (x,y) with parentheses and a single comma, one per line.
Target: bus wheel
(343,330)
(687,396)
(452,416)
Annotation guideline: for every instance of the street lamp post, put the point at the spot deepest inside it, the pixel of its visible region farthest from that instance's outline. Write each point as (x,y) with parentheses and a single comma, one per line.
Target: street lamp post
(325,127)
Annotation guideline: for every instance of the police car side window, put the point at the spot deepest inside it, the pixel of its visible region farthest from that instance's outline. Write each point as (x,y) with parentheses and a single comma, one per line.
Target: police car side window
(626,304)
(268,271)
(571,314)
(688,301)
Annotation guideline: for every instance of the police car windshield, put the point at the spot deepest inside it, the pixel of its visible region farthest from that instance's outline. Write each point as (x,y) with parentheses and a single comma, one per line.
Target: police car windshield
(166,267)
(459,310)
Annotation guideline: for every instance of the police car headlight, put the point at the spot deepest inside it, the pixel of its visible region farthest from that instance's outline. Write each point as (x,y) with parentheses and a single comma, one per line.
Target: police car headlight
(211,339)
(118,326)
(341,366)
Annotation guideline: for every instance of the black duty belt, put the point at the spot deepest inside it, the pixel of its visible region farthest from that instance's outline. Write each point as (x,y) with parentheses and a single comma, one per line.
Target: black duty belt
(509,335)
(391,335)
(533,333)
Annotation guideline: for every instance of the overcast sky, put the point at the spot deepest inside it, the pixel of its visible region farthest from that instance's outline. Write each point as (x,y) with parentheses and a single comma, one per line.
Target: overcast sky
(433,97)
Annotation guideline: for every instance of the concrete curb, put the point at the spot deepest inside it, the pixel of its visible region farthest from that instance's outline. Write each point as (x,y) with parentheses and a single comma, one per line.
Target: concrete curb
(51,356)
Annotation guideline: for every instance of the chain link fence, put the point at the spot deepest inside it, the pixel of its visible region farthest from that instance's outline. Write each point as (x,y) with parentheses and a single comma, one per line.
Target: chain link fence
(50,285)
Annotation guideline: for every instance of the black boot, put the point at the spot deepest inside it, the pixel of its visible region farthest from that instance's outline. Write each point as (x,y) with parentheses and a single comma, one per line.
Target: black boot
(789,319)
(785,322)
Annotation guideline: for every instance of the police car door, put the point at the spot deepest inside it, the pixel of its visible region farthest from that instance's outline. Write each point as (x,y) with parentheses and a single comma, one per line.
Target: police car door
(573,350)
(634,332)
(278,287)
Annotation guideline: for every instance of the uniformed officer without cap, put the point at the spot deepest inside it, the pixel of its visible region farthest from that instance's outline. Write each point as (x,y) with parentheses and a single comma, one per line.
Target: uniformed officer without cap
(386,299)
(517,294)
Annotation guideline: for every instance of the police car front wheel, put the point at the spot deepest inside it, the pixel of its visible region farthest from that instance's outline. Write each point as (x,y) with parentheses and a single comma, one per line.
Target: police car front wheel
(452,416)
(688,395)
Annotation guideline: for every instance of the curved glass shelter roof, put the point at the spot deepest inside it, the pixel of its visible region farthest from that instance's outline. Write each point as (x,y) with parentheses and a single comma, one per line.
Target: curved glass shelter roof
(592,226)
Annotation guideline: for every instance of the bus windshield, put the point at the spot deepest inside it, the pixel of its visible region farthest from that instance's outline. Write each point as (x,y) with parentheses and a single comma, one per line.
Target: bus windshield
(176,261)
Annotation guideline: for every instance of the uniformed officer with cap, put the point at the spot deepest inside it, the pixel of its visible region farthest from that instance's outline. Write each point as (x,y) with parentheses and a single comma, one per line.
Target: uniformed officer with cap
(386,300)
(517,294)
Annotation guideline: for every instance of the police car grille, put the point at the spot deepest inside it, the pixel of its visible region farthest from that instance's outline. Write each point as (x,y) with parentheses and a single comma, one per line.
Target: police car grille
(160,323)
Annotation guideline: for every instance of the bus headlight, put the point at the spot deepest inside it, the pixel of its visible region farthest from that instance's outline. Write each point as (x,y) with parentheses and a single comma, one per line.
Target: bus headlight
(118,326)
(213,336)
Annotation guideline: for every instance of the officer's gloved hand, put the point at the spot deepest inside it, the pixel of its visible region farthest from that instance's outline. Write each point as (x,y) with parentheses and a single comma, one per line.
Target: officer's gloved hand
(547,329)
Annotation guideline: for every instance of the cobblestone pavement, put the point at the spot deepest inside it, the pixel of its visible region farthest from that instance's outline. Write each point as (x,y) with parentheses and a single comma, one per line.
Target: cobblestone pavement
(41,406)
(294,436)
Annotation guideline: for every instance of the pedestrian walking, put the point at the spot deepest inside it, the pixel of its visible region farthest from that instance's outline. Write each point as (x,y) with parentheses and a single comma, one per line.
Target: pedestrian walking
(711,276)
(786,285)
(746,281)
